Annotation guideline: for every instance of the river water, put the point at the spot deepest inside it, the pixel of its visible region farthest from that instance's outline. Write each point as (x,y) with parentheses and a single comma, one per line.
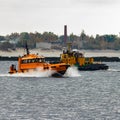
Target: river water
(86,95)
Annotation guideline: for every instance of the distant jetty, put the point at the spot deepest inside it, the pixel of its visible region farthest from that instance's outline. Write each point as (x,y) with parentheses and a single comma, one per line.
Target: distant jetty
(56,59)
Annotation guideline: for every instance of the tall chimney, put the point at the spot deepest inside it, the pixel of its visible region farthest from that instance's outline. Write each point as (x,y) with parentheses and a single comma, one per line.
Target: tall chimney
(65,35)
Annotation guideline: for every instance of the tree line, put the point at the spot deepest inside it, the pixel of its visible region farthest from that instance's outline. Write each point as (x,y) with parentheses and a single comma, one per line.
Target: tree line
(83,41)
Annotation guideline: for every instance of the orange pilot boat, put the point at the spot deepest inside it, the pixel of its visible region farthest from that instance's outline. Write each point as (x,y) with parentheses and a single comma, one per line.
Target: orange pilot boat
(32,62)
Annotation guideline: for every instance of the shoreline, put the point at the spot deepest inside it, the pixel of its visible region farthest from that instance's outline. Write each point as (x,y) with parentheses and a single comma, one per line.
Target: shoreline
(57,59)
(54,55)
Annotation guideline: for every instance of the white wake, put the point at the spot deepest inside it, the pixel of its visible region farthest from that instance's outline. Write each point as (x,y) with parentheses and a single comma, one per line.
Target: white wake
(72,72)
(46,73)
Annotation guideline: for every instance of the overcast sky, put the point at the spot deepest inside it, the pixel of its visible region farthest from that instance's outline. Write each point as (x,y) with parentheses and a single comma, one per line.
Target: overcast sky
(92,16)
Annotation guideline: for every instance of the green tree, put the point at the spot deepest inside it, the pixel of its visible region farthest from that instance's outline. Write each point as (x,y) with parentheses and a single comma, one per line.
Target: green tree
(23,39)
(49,37)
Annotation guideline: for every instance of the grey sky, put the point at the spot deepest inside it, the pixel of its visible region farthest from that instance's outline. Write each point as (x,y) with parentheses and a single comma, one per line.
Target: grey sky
(94,16)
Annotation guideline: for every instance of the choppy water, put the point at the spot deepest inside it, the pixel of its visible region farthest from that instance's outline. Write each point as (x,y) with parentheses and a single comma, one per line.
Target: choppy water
(91,95)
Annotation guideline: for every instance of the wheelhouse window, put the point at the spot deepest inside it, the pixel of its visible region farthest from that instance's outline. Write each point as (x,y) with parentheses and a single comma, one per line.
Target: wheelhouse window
(36,60)
(24,61)
(40,60)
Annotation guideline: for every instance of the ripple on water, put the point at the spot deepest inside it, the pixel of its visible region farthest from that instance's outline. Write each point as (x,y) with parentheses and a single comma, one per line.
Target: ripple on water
(92,95)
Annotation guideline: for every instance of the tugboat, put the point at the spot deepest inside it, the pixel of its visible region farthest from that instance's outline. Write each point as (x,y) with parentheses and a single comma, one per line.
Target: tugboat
(32,62)
(76,58)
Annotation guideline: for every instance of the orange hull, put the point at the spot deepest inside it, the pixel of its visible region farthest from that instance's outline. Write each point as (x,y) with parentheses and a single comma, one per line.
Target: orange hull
(33,62)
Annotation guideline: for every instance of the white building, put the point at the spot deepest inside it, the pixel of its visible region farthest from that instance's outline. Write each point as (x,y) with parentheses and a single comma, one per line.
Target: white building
(43,45)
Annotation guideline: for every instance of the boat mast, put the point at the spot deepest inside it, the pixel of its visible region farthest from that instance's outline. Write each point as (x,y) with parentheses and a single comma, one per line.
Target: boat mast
(27,50)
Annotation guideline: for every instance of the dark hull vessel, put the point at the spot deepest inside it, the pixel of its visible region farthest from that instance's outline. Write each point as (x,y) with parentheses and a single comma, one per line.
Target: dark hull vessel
(92,67)
(76,58)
